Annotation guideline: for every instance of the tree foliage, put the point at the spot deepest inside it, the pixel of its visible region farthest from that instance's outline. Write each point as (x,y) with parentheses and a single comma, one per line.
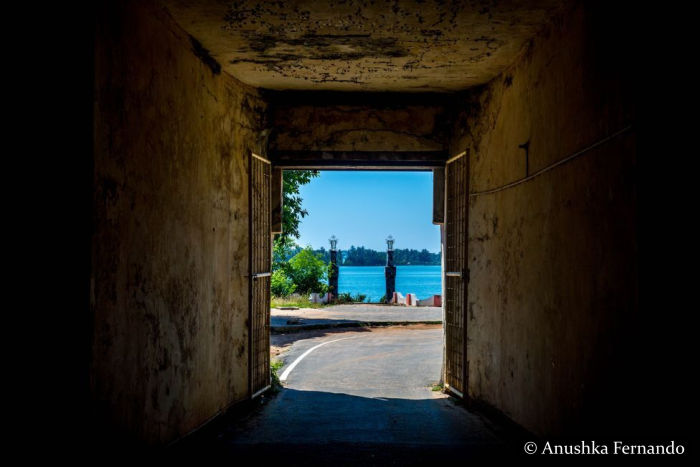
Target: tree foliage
(281,285)
(308,272)
(284,248)
(361,256)
(422,257)
(296,269)
(292,210)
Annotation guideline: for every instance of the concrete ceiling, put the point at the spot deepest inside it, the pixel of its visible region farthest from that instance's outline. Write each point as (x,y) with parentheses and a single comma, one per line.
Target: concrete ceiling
(355,45)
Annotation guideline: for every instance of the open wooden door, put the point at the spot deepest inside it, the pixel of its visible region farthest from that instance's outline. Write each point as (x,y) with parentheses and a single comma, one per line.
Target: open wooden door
(456,273)
(260,275)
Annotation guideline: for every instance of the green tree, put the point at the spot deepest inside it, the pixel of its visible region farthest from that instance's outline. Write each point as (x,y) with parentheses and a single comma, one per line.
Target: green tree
(281,284)
(308,272)
(292,210)
(284,248)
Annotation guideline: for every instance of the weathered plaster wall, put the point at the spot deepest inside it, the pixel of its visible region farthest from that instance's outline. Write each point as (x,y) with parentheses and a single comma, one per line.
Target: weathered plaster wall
(169,291)
(552,304)
(362,123)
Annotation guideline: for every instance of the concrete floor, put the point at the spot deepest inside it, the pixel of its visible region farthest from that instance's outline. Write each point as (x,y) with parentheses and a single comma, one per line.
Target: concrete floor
(365,398)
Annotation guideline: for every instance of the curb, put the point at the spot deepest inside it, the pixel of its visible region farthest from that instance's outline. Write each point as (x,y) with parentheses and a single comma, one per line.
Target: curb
(353,324)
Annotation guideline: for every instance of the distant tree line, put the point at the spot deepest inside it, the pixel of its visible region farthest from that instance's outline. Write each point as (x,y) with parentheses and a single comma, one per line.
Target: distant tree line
(361,256)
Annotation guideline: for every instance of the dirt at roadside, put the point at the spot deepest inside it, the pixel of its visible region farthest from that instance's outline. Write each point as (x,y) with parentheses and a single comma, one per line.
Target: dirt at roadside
(280,343)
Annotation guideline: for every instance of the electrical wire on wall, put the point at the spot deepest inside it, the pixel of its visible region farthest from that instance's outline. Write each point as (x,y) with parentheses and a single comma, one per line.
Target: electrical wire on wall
(556,164)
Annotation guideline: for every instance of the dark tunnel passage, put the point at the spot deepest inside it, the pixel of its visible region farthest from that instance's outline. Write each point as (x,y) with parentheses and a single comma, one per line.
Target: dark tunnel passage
(534,97)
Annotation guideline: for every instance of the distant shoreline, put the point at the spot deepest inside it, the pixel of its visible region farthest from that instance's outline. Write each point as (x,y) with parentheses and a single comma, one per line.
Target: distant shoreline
(381,265)
(361,256)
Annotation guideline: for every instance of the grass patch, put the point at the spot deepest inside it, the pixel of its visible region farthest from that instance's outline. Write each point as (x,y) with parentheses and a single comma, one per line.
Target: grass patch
(302,301)
(438,387)
(275,366)
(348,298)
(299,301)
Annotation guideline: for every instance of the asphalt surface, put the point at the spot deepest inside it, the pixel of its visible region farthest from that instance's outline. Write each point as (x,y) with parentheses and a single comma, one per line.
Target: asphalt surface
(351,314)
(361,398)
(394,363)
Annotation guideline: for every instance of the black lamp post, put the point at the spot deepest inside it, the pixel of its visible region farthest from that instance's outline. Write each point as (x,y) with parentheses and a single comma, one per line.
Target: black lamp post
(333,273)
(390,269)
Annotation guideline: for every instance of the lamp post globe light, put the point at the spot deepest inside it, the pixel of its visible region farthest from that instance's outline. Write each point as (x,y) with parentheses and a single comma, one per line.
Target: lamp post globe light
(333,272)
(390,270)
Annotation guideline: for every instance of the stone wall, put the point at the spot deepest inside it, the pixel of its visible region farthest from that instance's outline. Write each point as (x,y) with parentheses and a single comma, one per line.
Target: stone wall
(169,285)
(552,302)
(362,122)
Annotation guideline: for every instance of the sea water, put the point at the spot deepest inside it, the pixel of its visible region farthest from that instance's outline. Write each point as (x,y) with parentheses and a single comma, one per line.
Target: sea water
(424,281)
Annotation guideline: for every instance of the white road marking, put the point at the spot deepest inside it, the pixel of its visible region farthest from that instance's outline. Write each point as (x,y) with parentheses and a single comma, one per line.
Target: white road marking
(285,373)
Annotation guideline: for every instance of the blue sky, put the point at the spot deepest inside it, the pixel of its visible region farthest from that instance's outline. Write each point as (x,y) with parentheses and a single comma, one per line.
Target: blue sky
(362,208)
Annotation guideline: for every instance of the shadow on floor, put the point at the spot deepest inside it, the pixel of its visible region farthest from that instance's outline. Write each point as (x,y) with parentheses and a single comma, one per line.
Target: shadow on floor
(321,428)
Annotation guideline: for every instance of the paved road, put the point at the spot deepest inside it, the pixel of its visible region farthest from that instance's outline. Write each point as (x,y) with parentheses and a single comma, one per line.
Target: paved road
(394,363)
(355,313)
(365,399)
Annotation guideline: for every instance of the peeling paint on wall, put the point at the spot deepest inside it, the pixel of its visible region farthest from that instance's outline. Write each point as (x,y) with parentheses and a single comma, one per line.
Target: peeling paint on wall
(361,45)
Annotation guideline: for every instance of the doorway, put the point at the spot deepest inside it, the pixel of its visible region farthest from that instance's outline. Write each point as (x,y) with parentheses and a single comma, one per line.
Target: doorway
(450,206)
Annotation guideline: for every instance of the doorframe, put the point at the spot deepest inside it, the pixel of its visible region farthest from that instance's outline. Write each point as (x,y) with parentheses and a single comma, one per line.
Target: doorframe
(386,161)
(358,160)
